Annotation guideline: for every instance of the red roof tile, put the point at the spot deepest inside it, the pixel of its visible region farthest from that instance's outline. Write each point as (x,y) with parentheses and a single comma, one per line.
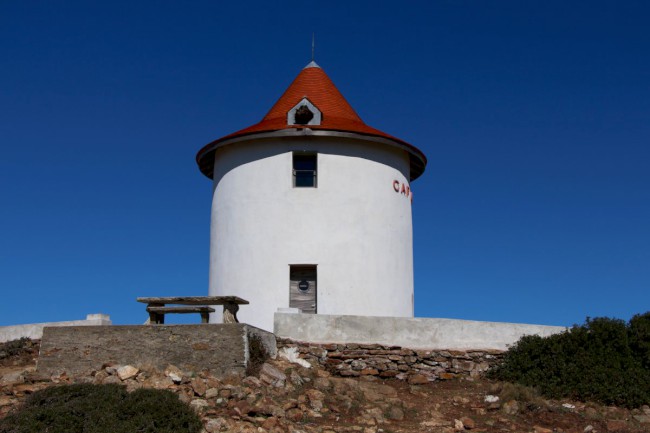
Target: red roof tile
(337,115)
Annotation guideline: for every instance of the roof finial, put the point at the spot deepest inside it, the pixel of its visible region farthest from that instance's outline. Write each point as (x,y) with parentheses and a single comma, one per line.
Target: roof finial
(312,64)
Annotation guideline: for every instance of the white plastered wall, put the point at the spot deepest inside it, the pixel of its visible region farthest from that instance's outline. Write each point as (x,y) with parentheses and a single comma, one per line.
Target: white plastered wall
(353,226)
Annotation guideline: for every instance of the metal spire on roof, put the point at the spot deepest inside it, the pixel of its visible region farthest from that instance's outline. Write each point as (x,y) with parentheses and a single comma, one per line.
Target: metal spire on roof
(312,64)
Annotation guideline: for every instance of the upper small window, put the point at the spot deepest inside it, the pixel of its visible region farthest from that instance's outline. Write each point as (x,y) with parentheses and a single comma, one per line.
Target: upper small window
(304,170)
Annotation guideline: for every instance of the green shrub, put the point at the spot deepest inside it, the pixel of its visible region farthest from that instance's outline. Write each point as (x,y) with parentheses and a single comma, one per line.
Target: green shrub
(640,337)
(14,347)
(605,360)
(86,408)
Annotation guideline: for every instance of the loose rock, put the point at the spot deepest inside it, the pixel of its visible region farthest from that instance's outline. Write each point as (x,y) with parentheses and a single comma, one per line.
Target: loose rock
(468,423)
(127,372)
(272,376)
(418,379)
(174,373)
(199,404)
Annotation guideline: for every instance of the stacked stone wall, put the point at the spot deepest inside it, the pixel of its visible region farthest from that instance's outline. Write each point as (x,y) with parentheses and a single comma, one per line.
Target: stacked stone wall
(354,360)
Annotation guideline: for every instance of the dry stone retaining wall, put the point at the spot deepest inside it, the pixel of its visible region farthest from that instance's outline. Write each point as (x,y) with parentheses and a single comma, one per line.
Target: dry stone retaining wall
(353,359)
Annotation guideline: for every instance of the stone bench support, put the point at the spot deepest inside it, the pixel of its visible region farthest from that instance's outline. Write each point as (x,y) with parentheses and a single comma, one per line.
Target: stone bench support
(157,314)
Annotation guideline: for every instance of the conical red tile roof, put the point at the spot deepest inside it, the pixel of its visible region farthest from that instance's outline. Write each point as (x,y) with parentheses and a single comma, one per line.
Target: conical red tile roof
(313,83)
(337,115)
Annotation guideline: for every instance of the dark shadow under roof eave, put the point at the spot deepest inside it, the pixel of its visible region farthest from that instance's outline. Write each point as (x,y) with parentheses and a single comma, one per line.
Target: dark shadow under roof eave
(205,156)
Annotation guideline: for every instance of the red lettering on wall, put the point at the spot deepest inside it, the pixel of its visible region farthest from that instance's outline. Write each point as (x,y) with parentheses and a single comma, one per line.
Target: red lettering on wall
(403,188)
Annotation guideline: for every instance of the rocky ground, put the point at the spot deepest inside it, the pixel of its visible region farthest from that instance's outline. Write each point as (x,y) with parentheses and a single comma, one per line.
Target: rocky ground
(286,397)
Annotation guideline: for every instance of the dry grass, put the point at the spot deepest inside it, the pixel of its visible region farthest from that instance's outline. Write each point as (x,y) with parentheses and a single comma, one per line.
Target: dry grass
(529,397)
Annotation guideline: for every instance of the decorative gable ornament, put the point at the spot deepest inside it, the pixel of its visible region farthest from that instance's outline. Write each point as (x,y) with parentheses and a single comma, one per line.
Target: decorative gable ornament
(304,113)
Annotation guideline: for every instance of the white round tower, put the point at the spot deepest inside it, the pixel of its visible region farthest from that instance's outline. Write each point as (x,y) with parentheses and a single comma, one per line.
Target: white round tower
(311,209)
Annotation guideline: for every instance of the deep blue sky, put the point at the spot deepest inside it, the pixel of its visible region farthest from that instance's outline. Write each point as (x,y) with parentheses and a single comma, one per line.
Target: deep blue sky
(535,117)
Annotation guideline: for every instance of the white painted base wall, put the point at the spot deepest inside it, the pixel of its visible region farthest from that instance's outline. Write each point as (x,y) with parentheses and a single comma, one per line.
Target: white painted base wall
(413,333)
(35,330)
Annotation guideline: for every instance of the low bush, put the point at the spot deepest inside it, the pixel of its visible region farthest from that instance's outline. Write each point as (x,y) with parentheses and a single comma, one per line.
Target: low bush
(605,360)
(639,331)
(87,408)
(14,347)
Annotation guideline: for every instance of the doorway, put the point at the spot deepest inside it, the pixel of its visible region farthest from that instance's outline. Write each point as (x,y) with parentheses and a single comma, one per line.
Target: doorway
(302,288)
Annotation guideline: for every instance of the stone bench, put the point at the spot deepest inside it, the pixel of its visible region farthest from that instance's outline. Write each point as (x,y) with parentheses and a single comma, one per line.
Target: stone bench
(156,307)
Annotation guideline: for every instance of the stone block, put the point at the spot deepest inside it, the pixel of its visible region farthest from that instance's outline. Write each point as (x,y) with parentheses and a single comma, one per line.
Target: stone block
(232,348)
